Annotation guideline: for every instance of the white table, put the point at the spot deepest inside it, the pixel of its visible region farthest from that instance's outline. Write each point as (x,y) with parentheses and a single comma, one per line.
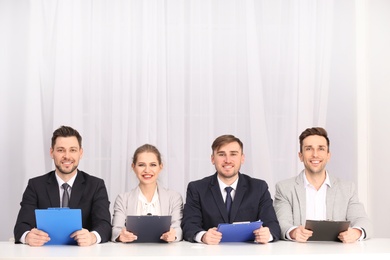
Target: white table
(375,248)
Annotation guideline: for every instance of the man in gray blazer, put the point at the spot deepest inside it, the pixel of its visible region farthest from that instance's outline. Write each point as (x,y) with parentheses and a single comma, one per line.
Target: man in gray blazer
(315,194)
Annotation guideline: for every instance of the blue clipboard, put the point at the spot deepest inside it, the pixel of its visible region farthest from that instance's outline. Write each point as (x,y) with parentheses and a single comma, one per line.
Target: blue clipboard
(239,232)
(59,223)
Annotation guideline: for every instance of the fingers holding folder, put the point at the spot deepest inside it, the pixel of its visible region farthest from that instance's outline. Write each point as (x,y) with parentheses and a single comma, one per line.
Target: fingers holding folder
(262,235)
(37,237)
(212,237)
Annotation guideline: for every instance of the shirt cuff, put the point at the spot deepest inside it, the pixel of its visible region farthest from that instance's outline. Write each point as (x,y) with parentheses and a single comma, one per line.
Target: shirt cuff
(363,233)
(198,236)
(287,235)
(23,237)
(98,238)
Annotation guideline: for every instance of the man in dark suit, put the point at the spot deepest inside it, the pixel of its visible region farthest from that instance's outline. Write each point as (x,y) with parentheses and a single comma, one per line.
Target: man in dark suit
(205,201)
(82,191)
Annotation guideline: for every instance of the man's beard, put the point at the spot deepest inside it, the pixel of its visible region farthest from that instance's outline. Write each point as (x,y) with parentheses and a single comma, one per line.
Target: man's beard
(66,172)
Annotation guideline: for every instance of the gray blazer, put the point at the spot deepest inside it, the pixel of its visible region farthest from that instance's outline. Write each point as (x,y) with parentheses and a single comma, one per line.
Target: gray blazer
(342,203)
(171,203)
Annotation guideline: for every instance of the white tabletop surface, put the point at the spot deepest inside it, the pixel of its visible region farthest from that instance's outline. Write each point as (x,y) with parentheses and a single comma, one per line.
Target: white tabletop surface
(376,248)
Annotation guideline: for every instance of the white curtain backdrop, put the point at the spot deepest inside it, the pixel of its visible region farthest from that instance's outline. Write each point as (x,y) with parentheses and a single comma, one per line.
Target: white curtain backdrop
(176,74)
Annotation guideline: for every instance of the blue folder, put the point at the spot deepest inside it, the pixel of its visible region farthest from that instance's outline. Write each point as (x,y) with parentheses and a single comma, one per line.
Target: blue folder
(239,232)
(59,223)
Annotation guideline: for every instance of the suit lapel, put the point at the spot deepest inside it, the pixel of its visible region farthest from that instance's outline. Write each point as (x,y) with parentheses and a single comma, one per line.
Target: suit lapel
(77,190)
(301,195)
(53,190)
(215,190)
(238,197)
(330,199)
(132,201)
(164,200)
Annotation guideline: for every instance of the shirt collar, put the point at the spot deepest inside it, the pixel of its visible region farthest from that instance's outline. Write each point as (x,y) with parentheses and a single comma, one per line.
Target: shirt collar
(142,197)
(327,180)
(70,182)
(222,185)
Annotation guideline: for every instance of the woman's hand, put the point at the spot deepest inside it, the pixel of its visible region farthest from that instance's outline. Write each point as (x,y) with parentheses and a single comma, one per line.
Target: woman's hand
(169,236)
(126,236)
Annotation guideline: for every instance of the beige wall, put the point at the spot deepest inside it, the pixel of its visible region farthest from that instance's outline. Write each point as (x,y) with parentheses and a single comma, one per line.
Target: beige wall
(378,58)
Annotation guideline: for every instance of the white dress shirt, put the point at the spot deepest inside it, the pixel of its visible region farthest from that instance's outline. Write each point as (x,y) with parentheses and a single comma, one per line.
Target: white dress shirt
(144,207)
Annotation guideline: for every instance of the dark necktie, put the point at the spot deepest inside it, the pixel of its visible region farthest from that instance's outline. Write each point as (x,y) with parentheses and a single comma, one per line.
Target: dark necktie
(228,201)
(65,196)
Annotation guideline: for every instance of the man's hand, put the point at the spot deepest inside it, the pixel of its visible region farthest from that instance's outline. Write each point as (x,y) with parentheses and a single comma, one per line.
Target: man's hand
(84,237)
(37,237)
(350,236)
(169,236)
(301,234)
(212,237)
(126,236)
(262,235)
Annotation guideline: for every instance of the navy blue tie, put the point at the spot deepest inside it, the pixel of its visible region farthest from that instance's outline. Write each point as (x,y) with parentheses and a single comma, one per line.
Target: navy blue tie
(228,201)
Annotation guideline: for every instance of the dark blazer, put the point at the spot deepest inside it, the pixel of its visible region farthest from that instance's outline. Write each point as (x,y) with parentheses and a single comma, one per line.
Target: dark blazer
(205,208)
(88,193)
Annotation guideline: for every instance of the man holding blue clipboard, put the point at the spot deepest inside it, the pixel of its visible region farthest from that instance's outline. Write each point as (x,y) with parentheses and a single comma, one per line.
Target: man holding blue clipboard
(228,196)
(65,187)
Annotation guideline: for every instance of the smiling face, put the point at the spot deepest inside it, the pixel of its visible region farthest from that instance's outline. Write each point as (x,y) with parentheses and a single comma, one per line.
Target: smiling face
(66,154)
(227,160)
(147,168)
(315,154)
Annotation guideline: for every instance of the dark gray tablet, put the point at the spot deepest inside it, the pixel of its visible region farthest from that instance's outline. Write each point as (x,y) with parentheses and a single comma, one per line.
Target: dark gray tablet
(148,229)
(326,230)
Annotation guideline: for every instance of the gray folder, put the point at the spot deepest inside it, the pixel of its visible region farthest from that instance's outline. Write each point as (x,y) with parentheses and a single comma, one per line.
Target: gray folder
(326,230)
(148,228)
